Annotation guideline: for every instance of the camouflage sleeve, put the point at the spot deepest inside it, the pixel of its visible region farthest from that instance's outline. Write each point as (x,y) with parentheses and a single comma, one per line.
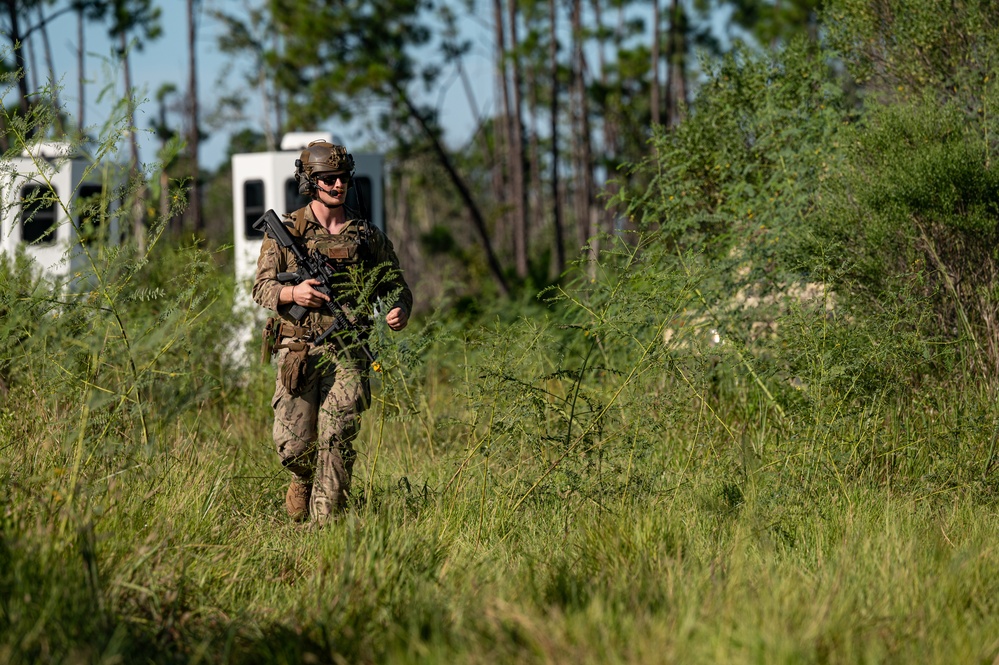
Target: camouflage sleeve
(266,288)
(394,281)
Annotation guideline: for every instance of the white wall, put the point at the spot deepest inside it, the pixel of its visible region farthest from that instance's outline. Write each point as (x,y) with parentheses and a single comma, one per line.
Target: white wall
(58,253)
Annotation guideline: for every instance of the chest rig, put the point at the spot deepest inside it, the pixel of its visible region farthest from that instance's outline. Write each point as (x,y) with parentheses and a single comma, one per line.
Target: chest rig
(343,250)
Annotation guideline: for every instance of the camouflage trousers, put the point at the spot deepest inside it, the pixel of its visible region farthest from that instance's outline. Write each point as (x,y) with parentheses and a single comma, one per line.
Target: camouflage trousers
(314,427)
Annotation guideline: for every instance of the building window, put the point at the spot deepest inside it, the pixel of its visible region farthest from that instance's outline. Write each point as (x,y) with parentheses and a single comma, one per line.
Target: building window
(38,215)
(253,207)
(89,213)
(292,199)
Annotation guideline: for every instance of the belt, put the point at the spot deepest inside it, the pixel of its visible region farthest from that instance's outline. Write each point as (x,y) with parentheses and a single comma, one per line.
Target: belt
(287,330)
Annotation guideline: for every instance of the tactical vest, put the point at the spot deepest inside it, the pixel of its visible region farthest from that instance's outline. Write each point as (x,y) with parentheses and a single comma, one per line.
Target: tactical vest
(344,251)
(352,247)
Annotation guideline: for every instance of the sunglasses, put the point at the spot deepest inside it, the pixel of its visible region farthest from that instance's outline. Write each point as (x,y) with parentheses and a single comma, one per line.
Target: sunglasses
(333,177)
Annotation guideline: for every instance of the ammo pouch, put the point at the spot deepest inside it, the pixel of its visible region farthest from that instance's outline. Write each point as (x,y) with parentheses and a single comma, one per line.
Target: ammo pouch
(293,368)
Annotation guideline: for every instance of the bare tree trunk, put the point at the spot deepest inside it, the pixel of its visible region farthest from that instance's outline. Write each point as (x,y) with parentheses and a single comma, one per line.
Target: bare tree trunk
(611,116)
(268,96)
(278,102)
(589,186)
(130,105)
(656,23)
(535,210)
(583,151)
(53,84)
(81,64)
(17,43)
(579,212)
(193,133)
(139,194)
(502,124)
(553,111)
(598,19)
(270,111)
(676,91)
(516,154)
(578,194)
(29,44)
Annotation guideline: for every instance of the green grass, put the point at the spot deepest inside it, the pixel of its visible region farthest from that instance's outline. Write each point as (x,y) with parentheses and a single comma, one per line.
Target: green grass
(558,484)
(666,541)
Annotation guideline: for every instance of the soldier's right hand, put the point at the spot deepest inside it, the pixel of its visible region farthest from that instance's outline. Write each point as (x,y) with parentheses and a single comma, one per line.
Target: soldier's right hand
(305,294)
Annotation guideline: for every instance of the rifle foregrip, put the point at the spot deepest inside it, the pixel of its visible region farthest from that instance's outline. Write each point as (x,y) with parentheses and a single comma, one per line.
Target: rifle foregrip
(287,277)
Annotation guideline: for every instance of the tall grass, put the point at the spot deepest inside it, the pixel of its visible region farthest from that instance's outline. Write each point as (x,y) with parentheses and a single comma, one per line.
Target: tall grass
(536,489)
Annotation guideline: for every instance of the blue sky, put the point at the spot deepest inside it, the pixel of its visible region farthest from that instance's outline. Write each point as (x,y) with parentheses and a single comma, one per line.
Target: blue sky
(165,61)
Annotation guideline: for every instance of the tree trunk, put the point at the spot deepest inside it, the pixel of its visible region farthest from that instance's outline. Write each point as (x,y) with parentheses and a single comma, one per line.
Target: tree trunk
(535,213)
(598,20)
(611,115)
(278,102)
(29,44)
(654,93)
(53,87)
(17,44)
(81,64)
(553,111)
(502,125)
(193,135)
(139,185)
(579,212)
(270,110)
(583,151)
(489,151)
(516,155)
(130,103)
(676,91)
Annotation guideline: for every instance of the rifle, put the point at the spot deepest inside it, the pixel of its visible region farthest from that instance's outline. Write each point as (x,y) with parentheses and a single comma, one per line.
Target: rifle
(310,266)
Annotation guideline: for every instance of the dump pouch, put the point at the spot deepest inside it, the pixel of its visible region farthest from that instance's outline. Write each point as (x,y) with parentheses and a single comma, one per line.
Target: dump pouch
(292,370)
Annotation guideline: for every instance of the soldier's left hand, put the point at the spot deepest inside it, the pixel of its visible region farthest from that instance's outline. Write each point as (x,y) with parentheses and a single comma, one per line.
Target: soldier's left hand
(397,318)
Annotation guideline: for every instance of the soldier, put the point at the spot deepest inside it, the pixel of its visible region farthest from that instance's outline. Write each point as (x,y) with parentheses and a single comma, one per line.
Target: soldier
(323,388)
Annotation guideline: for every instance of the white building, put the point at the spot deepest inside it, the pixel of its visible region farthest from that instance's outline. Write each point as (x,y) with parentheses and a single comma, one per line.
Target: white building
(46,207)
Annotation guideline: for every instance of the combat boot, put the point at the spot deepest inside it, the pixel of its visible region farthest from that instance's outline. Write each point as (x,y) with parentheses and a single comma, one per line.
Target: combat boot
(296,501)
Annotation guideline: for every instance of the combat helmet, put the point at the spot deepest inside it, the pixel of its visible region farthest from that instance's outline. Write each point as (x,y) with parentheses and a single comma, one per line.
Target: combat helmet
(322,157)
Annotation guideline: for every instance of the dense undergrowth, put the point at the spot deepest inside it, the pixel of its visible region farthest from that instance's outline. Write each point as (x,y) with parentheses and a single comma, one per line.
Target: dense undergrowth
(761,427)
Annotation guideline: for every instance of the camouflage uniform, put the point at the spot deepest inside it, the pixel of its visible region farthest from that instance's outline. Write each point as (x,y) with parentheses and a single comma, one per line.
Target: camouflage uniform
(316,422)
